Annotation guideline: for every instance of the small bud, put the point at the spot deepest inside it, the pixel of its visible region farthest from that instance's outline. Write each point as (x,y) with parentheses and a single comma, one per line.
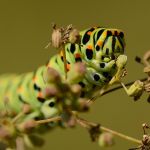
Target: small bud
(7,129)
(80,68)
(30,124)
(106,139)
(121,61)
(147,70)
(76,89)
(26,108)
(4,134)
(83,105)
(76,73)
(138,59)
(136,89)
(56,38)
(74,36)
(50,91)
(51,75)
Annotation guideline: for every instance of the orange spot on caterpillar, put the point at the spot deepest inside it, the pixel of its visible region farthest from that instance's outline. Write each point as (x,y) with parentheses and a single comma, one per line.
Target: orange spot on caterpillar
(77,55)
(89,33)
(105,34)
(34,78)
(20,89)
(99,43)
(90,47)
(68,67)
(40,94)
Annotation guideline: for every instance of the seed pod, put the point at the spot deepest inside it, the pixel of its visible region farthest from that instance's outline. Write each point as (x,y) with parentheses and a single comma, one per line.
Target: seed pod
(136,89)
(74,36)
(56,37)
(77,72)
(50,91)
(51,76)
(26,108)
(76,89)
(106,139)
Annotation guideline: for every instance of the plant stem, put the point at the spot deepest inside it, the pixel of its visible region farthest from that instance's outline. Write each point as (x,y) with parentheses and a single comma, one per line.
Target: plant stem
(87,124)
(103,92)
(119,87)
(49,120)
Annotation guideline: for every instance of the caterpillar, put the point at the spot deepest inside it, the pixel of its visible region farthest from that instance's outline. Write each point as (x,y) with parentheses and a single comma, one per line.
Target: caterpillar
(100,50)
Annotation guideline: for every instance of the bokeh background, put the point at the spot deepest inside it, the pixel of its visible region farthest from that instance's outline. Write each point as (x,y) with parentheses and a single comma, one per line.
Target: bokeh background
(25,28)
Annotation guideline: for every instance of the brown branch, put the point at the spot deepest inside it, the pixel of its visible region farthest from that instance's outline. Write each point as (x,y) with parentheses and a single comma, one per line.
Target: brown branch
(86,124)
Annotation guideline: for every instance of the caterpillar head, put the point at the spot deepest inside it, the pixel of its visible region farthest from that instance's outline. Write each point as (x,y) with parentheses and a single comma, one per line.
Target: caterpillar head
(102,44)
(110,42)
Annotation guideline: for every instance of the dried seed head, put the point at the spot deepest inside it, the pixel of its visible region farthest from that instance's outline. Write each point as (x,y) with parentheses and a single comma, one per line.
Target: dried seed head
(74,36)
(63,35)
(56,38)
(80,68)
(4,134)
(147,70)
(94,132)
(83,106)
(50,91)
(51,75)
(138,59)
(26,108)
(136,89)
(146,58)
(7,129)
(121,61)
(76,89)
(106,139)
(76,73)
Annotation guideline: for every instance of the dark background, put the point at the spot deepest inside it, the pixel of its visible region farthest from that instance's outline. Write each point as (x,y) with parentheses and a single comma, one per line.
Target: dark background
(25,28)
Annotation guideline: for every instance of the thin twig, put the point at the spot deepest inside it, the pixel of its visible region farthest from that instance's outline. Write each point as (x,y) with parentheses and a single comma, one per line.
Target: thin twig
(20,144)
(87,124)
(119,87)
(58,118)
(121,135)
(17,117)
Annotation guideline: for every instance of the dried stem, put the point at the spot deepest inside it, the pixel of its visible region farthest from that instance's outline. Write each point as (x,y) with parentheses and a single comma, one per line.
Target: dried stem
(17,117)
(119,87)
(20,144)
(86,124)
(58,118)
(120,135)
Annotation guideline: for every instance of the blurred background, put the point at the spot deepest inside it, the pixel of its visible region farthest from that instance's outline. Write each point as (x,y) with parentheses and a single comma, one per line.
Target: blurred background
(25,29)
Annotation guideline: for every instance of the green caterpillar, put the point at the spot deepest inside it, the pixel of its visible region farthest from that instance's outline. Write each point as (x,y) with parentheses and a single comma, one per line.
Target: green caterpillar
(99,48)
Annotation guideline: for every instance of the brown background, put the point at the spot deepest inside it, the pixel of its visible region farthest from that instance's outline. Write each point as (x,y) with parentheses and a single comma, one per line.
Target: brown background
(25,28)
